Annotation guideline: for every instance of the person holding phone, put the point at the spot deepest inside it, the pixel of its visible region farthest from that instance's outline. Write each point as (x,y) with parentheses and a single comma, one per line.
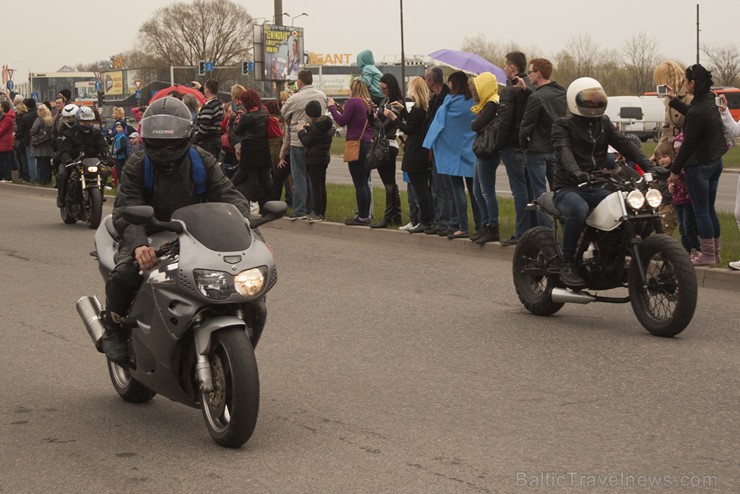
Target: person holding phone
(670,74)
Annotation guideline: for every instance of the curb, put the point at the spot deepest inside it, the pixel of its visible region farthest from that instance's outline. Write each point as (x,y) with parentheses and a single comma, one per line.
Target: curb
(706,277)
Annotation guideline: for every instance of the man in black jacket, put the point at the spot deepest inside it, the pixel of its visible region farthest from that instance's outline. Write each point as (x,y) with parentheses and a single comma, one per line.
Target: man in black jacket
(166,130)
(441,192)
(544,105)
(24,136)
(511,111)
(581,141)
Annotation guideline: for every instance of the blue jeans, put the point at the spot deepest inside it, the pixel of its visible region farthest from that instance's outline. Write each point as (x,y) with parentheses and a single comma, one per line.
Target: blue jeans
(575,203)
(442,197)
(484,187)
(686,220)
(360,178)
(702,181)
(33,175)
(515,169)
(299,170)
(457,185)
(540,167)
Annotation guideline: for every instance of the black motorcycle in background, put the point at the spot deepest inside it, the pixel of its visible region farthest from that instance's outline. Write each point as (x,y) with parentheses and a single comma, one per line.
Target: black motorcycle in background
(84,199)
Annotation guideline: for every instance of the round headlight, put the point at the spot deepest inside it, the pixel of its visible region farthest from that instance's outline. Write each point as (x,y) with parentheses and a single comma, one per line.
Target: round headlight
(635,199)
(92,169)
(250,282)
(654,198)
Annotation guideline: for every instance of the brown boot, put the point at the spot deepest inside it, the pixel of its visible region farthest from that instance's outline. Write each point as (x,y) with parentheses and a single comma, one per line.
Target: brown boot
(707,253)
(716,251)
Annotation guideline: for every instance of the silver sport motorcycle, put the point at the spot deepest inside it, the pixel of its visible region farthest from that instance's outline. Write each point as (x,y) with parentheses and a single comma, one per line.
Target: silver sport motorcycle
(197,316)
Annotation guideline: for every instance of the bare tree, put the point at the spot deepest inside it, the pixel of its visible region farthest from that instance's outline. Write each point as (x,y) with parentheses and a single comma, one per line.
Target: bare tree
(91,67)
(640,58)
(585,53)
(725,63)
(495,52)
(183,33)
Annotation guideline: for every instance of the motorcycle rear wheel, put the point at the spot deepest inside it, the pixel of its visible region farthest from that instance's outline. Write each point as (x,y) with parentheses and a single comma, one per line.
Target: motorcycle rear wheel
(126,386)
(230,409)
(666,304)
(94,208)
(532,282)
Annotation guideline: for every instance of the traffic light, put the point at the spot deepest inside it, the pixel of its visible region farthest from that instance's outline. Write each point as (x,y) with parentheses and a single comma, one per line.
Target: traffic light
(245,68)
(202,67)
(101,99)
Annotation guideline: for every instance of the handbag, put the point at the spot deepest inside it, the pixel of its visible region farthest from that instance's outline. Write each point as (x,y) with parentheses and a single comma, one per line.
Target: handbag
(41,137)
(273,128)
(378,154)
(352,148)
(484,145)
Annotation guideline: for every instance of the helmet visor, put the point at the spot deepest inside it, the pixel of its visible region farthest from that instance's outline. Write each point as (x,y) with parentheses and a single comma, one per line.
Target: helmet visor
(165,127)
(591,102)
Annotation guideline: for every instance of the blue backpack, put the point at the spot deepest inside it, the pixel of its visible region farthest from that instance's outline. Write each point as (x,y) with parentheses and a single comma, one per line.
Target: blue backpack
(199,172)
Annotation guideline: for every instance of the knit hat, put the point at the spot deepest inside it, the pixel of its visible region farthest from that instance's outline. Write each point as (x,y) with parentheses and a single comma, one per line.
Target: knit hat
(30,103)
(66,93)
(313,109)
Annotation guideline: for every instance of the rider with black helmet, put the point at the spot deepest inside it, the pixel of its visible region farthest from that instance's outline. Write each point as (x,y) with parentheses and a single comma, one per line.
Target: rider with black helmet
(166,129)
(82,137)
(581,141)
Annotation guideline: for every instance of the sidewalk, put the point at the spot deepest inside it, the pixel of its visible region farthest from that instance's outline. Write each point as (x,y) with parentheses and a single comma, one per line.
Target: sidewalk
(716,278)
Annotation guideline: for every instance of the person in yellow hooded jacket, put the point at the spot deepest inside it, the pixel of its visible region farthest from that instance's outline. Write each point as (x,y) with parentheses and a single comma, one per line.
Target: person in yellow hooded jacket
(484,88)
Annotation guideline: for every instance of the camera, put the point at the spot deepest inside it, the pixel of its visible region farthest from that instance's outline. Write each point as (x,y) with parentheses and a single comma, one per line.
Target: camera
(662,90)
(718,101)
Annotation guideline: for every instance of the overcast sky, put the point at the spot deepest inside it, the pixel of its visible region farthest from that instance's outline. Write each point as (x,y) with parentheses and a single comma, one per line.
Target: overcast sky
(85,31)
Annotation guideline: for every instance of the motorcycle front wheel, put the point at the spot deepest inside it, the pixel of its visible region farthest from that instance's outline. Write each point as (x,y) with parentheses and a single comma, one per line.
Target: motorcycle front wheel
(126,386)
(93,207)
(665,304)
(534,253)
(230,409)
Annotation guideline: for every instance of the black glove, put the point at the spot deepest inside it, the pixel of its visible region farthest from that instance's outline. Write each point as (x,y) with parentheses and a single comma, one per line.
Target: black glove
(582,176)
(660,172)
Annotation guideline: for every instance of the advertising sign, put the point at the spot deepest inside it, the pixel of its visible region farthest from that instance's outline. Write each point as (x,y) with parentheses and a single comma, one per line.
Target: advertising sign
(333,84)
(113,83)
(86,91)
(283,52)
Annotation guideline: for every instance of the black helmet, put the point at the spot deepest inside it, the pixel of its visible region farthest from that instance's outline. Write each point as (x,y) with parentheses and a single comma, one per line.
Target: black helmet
(166,129)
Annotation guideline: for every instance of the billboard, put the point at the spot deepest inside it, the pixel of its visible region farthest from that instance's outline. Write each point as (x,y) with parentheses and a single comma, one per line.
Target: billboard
(113,83)
(283,52)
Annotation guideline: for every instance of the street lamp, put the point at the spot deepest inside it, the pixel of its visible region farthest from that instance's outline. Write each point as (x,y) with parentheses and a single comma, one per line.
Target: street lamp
(296,17)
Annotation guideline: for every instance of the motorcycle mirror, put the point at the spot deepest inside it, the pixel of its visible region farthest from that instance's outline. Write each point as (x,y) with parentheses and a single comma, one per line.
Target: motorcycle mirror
(137,215)
(271,211)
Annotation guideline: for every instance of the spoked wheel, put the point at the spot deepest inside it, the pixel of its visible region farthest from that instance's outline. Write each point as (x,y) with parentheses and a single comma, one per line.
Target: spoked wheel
(93,207)
(535,253)
(230,409)
(126,386)
(666,303)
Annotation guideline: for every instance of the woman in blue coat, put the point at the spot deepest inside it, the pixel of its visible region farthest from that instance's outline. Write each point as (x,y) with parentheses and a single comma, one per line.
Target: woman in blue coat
(451,140)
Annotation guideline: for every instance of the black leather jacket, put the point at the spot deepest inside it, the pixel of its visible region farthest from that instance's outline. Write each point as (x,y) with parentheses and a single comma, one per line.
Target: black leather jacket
(512,103)
(170,191)
(703,133)
(581,144)
(544,106)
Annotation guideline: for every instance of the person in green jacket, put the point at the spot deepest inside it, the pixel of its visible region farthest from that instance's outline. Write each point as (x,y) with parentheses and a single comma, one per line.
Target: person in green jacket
(370,74)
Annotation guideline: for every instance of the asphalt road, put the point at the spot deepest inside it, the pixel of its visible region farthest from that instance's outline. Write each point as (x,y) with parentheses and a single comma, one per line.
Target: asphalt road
(382,370)
(339,174)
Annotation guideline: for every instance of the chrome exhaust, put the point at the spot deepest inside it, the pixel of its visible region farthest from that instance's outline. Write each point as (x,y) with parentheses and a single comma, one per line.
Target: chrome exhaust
(564,296)
(89,309)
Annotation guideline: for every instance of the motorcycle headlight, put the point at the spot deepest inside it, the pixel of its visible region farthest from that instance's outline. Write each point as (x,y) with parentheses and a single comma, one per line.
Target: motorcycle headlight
(250,282)
(217,285)
(636,199)
(92,169)
(654,198)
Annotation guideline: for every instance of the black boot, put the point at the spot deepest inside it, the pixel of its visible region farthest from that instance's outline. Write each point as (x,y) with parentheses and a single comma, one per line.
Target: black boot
(115,342)
(490,234)
(396,219)
(61,193)
(570,276)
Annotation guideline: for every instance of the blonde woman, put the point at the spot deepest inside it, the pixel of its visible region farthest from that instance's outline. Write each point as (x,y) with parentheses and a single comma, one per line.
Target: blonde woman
(354,116)
(415,158)
(671,74)
(119,115)
(41,137)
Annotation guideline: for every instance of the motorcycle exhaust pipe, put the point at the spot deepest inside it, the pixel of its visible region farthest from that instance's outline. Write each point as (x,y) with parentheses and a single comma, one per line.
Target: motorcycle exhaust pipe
(563,296)
(89,309)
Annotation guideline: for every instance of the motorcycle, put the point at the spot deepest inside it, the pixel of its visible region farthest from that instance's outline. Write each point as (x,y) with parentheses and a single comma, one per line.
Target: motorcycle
(198,315)
(84,199)
(614,251)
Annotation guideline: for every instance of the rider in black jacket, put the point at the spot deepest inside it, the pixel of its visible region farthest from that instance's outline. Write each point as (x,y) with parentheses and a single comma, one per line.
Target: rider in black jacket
(166,129)
(581,141)
(81,138)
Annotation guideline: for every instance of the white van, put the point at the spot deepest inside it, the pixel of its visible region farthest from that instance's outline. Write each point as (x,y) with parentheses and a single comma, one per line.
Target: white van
(653,109)
(627,115)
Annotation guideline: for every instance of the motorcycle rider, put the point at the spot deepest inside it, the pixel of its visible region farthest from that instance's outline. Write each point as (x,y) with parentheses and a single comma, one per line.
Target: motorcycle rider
(166,130)
(80,138)
(581,140)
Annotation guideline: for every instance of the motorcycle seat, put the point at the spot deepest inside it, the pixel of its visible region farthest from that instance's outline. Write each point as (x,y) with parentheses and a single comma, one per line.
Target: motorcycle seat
(547,202)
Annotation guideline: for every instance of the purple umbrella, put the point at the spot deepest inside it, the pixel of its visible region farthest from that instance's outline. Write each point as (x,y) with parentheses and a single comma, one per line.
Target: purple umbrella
(468,62)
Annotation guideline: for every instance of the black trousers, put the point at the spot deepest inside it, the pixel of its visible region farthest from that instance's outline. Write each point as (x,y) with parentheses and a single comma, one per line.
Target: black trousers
(256,184)
(317,175)
(120,290)
(213,146)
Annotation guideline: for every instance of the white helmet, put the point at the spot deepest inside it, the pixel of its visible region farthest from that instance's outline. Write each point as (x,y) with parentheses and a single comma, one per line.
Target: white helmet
(69,112)
(85,119)
(586,98)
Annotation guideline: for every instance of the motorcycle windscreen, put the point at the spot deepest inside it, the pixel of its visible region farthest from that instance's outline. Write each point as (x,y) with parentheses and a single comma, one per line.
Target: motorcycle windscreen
(217,225)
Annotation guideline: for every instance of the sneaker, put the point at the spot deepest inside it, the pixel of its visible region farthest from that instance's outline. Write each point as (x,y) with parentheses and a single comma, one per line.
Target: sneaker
(510,241)
(313,218)
(420,228)
(735,265)
(357,221)
(294,217)
(408,226)
(8,181)
(694,255)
